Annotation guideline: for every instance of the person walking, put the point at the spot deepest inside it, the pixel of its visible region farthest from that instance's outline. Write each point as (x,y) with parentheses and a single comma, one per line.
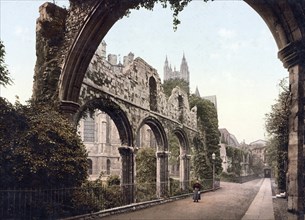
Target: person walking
(196,188)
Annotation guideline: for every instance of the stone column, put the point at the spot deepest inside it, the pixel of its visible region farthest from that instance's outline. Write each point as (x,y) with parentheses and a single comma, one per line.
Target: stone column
(293,58)
(127,175)
(162,173)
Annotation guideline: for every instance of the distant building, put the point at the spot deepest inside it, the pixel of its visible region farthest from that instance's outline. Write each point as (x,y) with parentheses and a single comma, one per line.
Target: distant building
(184,73)
(226,139)
(258,149)
(211,98)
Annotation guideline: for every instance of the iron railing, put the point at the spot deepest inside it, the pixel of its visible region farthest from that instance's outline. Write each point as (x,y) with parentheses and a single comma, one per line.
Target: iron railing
(61,203)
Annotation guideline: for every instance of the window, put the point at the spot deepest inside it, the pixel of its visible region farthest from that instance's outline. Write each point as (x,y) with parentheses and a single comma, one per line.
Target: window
(90,166)
(89,128)
(153,94)
(108,166)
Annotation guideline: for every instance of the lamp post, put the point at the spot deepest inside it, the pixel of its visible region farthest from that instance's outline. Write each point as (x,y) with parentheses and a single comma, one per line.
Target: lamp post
(213,161)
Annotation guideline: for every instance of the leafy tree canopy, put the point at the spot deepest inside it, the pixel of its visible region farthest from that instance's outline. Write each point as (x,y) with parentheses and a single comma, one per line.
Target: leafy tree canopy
(170,84)
(277,126)
(4,73)
(39,148)
(175,5)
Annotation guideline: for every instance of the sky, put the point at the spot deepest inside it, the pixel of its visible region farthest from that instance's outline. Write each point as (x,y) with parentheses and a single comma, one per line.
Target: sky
(228,47)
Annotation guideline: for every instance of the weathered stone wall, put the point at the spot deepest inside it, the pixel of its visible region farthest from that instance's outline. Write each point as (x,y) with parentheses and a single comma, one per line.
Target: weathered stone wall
(50,34)
(130,86)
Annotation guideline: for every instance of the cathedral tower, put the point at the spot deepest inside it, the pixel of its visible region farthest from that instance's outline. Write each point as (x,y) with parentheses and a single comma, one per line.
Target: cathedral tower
(182,74)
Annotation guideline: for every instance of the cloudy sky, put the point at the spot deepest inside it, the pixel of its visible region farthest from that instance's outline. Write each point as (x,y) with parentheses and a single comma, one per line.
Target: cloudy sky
(229,49)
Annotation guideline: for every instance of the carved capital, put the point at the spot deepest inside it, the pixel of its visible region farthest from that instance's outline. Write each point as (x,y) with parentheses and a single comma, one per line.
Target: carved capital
(125,150)
(162,154)
(292,54)
(69,107)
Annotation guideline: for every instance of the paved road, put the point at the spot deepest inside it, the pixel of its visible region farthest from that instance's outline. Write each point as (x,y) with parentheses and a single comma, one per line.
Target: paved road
(231,201)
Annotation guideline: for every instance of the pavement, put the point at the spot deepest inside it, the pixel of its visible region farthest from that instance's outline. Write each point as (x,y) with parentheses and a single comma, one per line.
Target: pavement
(262,206)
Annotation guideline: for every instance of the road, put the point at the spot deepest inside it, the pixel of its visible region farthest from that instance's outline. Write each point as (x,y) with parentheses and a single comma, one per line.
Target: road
(231,201)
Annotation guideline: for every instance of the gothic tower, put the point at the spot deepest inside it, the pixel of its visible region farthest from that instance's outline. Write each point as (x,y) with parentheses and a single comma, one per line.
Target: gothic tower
(182,74)
(167,70)
(184,70)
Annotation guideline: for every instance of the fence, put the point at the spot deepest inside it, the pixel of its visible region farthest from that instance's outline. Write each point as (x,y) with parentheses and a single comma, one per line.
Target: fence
(61,203)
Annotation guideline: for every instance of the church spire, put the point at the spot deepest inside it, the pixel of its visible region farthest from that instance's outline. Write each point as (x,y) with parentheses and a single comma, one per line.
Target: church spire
(197,92)
(166,70)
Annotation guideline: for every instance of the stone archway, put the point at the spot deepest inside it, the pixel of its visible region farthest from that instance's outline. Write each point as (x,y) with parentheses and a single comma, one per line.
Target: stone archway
(161,153)
(116,114)
(184,158)
(126,150)
(285,19)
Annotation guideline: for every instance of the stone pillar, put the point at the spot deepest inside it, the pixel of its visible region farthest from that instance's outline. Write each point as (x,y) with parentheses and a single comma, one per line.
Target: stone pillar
(293,58)
(127,175)
(50,33)
(162,173)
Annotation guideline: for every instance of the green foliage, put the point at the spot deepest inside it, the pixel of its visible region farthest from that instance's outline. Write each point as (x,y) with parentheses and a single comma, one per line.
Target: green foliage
(146,174)
(146,165)
(174,147)
(4,73)
(201,167)
(176,5)
(236,157)
(170,84)
(208,124)
(113,180)
(39,148)
(257,164)
(277,125)
(228,177)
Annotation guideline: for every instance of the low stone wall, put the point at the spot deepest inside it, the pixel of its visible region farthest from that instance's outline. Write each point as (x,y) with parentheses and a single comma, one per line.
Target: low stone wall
(132,207)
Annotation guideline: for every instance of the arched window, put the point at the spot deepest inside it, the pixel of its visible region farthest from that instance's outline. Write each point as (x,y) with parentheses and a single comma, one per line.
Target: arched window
(180,107)
(153,94)
(108,166)
(180,102)
(90,166)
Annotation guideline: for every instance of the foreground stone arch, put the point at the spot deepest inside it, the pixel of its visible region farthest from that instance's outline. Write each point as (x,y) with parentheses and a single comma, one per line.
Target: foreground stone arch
(63,68)
(115,112)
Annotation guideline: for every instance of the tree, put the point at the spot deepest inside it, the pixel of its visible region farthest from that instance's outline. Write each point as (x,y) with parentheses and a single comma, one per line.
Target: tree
(176,5)
(146,165)
(39,148)
(4,73)
(277,126)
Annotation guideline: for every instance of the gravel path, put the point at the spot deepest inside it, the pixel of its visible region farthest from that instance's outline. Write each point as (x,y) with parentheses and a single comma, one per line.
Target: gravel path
(231,201)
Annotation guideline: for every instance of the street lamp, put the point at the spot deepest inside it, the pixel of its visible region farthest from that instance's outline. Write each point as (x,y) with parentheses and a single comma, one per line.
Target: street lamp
(213,161)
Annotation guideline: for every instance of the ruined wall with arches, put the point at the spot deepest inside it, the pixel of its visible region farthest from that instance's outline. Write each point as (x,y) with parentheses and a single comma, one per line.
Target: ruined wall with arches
(132,95)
